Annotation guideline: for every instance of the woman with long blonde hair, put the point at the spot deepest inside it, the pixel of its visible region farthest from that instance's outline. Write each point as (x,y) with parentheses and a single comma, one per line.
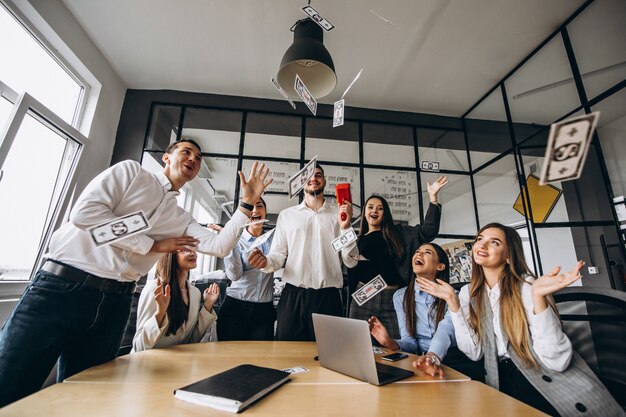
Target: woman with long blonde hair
(508,318)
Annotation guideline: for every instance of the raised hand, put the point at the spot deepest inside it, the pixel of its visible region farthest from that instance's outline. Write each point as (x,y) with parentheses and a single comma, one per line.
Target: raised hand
(434,188)
(174,244)
(380,333)
(211,294)
(430,364)
(252,189)
(256,259)
(552,282)
(440,289)
(346,208)
(162,298)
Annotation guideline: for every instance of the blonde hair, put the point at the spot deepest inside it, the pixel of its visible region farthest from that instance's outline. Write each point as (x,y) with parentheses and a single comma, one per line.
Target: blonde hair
(512,313)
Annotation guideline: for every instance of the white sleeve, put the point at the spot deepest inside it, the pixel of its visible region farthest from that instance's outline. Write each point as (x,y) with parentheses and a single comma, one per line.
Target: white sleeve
(350,255)
(148,331)
(280,248)
(102,195)
(551,345)
(222,243)
(466,338)
(233,264)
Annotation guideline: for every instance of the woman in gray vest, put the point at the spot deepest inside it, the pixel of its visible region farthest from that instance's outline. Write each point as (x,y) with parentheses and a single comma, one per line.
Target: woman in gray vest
(508,318)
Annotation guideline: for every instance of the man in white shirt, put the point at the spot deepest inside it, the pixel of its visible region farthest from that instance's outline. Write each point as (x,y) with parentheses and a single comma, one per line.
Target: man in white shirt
(77,306)
(313,274)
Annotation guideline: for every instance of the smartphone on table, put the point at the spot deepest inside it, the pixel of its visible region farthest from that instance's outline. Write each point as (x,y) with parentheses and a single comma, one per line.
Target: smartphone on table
(392,357)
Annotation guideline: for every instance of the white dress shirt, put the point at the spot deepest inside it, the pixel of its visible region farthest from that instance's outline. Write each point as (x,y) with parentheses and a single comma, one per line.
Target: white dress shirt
(302,244)
(248,283)
(548,341)
(123,189)
(150,335)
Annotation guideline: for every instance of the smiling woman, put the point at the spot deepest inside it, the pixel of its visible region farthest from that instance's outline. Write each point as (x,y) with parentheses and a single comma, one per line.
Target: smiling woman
(386,249)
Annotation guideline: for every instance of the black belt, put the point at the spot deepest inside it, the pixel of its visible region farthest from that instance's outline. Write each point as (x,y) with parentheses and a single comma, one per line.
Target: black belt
(88,280)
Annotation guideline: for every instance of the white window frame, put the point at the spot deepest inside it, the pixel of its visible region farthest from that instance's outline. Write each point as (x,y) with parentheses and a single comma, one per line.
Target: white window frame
(26,104)
(79,111)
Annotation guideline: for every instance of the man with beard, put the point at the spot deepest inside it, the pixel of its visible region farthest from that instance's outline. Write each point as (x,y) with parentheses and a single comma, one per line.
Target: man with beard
(313,275)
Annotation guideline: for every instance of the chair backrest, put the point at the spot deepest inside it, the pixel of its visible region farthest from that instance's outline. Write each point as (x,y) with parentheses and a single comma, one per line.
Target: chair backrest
(595,321)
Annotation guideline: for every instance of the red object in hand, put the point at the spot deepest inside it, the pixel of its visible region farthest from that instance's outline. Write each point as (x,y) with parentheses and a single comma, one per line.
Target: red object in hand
(342,193)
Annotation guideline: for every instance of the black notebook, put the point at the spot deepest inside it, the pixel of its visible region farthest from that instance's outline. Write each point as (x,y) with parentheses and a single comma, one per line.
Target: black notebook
(235,389)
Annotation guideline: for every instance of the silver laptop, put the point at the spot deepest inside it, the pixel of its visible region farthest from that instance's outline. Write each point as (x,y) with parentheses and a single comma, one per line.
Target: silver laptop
(345,346)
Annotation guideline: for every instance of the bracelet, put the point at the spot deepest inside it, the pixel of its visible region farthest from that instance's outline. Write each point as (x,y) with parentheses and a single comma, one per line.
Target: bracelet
(246,206)
(434,360)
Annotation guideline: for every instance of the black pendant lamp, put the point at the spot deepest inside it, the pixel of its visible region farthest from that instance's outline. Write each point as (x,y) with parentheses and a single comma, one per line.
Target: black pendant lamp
(308,58)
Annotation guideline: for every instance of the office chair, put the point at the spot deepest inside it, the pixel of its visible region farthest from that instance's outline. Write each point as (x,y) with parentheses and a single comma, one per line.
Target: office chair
(595,321)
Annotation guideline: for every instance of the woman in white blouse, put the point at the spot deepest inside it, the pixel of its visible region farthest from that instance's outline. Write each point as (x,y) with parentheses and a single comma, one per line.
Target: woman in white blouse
(169,311)
(509,318)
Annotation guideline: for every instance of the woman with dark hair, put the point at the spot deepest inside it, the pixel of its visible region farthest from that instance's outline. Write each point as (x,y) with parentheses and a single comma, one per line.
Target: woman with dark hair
(508,318)
(425,326)
(169,311)
(248,312)
(386,250)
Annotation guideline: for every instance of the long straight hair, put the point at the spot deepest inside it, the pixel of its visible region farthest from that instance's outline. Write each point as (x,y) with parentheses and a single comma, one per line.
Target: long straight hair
(177,311)
(512,313)
(439,306)
(392,239)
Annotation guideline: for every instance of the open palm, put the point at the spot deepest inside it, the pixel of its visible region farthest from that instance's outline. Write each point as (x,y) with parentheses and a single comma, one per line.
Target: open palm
(553,281)
(434,188)
(439,289)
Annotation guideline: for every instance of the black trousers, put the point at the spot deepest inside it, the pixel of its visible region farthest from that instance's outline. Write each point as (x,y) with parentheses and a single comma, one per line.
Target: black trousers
(457,360)
(245,320)
(295,309)
(515,384)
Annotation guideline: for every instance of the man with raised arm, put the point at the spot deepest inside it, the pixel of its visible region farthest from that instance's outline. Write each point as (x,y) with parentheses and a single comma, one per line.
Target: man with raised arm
(77,306)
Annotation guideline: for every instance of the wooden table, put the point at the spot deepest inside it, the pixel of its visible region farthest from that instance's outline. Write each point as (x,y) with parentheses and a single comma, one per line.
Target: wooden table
(142,384)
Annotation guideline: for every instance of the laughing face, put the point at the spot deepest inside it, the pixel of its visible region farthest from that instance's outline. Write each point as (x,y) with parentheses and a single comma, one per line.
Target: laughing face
(258,213)
(374,211)
(183,164)
(490,249)
(187,259)
(426,262)
(315,185)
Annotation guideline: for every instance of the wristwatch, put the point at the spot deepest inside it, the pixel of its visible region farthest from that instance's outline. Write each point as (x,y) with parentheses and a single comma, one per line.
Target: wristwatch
(246,206)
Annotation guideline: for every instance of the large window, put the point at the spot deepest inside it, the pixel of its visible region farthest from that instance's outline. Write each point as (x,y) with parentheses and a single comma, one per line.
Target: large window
(40,102)
(27,66)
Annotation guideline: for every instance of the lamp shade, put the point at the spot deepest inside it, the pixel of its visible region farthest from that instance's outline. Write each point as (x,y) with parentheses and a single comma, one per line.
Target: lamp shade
(308,58)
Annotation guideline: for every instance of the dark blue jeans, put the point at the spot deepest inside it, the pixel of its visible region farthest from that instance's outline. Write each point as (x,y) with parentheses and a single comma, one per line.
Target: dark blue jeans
(58,319)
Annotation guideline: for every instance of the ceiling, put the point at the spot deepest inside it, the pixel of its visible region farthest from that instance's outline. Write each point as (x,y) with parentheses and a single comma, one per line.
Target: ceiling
(428,56)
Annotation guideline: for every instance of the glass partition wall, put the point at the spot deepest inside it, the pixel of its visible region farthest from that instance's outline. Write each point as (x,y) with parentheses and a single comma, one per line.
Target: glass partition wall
(567,75)
(492,155)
